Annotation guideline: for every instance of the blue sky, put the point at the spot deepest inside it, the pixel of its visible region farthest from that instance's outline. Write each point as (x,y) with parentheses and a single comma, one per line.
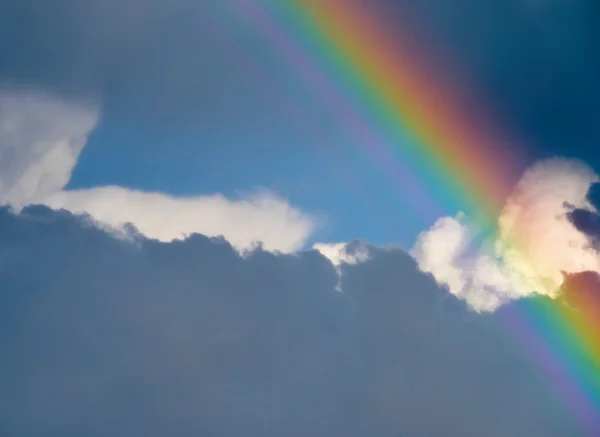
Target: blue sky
(349,192)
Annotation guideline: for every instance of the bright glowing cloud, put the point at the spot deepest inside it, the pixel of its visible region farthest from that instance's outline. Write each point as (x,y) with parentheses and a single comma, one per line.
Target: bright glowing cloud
(41,138)
(536,242)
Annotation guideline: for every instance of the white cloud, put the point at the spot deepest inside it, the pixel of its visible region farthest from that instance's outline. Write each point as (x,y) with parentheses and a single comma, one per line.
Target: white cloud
(339,253)
(41,138)
(535,216)
(535,241)
(262,217)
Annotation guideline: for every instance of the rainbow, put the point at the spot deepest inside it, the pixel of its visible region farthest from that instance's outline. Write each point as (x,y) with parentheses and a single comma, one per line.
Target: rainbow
(411,117)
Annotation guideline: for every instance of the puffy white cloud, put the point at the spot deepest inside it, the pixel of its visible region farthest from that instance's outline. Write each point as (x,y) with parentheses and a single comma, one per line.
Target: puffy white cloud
(535,218)
(41,138)
(534,244)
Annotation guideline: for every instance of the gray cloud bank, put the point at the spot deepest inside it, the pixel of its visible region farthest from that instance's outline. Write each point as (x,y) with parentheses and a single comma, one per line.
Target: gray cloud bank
(106,337)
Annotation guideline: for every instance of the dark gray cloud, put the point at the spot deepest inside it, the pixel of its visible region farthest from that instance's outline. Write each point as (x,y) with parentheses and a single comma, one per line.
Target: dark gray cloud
(104,337)
(587,220)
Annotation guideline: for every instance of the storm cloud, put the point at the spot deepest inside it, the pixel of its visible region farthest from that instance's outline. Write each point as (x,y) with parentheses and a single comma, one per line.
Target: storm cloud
(107,337)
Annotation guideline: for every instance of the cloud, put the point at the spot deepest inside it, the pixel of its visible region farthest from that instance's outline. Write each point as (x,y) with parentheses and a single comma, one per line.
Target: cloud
(536,218)
(338,253)
(261,217)
(536,241)
(111,337)
(343,253)
(587,220)
(41,137)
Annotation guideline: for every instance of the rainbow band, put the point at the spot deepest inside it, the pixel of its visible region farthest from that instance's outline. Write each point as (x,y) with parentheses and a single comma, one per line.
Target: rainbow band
(392,98)
(390,82)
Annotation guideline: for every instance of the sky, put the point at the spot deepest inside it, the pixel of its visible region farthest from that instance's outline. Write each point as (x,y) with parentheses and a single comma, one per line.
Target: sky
(204,230)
